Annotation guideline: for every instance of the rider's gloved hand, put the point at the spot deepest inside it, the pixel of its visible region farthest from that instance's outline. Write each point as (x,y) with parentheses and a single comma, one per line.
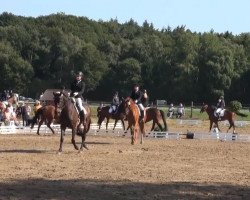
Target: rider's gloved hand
(136,101)
(75,94)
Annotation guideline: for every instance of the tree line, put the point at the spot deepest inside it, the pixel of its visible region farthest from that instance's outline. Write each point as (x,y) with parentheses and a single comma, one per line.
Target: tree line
(174,64)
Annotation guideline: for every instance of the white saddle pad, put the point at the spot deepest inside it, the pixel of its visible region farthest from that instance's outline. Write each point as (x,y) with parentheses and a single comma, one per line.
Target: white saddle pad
(222,112)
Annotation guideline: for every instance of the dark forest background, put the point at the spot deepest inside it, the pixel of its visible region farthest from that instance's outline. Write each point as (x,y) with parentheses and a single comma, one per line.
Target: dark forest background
(174,64)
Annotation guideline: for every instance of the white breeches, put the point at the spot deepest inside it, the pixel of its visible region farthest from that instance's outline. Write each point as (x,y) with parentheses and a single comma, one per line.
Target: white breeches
(79,103)
(141,106)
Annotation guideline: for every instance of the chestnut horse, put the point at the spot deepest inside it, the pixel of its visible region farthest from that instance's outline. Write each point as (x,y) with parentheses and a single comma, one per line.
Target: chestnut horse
(103,112)
(46,114)
(132,112)
(228,115)
(69,118)
(151,114)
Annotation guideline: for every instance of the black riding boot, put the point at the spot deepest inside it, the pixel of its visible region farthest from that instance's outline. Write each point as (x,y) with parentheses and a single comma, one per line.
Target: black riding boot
(142,115)
(81,114)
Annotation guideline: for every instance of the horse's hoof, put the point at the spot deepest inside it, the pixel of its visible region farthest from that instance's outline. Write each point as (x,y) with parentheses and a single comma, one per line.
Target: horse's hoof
(59,152)
(80,151)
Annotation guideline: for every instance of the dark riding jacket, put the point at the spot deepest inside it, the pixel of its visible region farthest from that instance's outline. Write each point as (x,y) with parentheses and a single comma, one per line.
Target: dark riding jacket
(115,101)
(136,96)
(77,86)
(221,104)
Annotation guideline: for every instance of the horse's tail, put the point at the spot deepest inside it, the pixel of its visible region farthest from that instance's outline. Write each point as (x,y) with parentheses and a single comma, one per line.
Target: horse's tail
(164,120)
(39,112)
(241,114)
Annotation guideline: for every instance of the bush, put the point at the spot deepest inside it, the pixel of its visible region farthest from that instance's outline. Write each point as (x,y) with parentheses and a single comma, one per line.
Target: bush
(234,106)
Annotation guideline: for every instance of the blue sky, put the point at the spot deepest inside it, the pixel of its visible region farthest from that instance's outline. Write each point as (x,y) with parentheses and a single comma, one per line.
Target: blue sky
(196,15)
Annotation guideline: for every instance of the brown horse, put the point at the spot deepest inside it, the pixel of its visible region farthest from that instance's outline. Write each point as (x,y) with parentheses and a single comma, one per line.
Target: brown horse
(228,115)
(69,118)
(132,112)
(103,112)
(44,114)
(150,114)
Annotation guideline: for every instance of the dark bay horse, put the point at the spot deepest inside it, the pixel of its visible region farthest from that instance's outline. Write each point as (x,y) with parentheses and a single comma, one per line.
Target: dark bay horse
(69,118)
(103,112)
(132,112)
(228,115)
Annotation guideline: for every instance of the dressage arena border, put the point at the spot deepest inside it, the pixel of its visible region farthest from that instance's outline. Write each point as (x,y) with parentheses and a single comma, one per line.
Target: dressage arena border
(94,130)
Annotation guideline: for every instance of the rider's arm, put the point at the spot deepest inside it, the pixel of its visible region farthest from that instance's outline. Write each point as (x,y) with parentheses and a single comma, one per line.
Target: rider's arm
(80,93)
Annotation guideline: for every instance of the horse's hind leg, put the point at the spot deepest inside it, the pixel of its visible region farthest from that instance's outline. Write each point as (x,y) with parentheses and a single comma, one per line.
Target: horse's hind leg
(160,126)
(231,125)
(153,126)
(48,125)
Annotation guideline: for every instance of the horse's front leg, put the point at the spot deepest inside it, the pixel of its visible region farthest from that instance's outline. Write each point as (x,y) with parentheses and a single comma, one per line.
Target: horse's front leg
(73,138)
(142,131)
(132,135)
(39,125)
(211,123)
(107,125)
(217,125)
(61,139)
(83,142)
(115,124)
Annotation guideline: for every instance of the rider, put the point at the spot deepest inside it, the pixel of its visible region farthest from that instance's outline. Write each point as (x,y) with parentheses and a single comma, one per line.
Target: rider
(220,107)
(171,110)
(137,95)
(115,103)
(77,89)
(180,110)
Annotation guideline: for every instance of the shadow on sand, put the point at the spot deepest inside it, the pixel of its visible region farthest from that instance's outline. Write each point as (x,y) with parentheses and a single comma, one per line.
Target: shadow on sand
(22,151)
(108,190)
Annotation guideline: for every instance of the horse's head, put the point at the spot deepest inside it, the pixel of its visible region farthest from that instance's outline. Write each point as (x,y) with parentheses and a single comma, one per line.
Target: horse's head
(125,105)
(203,108)
(57,97)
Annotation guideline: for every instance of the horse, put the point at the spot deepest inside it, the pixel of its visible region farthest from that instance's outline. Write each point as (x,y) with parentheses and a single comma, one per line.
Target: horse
(69,117)
(103,112)
(228,115)
(46,114)
(132,112)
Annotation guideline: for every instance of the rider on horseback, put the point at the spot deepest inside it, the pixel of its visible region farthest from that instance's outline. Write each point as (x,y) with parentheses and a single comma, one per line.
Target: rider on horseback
(220,107)
(115,103)
(137,95)
(77,89)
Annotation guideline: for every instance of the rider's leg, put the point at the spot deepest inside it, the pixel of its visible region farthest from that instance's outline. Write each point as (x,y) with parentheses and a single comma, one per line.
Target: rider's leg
(142,111)
(81,112)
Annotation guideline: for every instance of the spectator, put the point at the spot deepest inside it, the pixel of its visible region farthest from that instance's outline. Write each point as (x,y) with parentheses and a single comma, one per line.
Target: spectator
(24,114)
(180,111)
(8,116)
(37,105)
